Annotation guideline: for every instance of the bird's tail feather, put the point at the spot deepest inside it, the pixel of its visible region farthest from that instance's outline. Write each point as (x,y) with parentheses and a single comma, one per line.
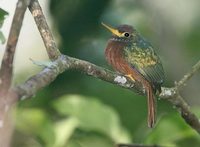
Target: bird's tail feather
(151,107)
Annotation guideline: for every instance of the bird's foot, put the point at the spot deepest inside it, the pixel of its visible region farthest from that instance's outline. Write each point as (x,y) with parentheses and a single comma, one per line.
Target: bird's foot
(130,77)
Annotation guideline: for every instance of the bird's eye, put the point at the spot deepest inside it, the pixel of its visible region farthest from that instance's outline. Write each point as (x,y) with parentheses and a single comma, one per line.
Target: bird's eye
(126,34)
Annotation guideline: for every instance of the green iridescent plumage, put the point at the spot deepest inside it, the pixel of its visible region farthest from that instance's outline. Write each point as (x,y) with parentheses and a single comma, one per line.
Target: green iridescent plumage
(140,55)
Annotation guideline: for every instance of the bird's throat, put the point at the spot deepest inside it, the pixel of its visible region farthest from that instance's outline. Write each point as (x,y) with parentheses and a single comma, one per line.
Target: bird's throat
(115,55)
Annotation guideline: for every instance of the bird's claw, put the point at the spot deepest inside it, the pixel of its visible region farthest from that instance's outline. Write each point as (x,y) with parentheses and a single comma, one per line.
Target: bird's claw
(130,77)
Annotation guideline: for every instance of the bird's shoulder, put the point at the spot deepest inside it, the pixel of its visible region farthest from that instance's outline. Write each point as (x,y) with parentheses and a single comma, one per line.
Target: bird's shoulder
(141,55)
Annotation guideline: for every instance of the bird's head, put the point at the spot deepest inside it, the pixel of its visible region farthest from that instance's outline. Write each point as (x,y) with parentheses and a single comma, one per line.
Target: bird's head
(122,32)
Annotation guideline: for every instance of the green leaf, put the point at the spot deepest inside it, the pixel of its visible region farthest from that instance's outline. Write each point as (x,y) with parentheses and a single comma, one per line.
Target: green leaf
(92,115)
(3,13)
(35,121)
(172,131)
(64,130)
(90,141)
(2,38)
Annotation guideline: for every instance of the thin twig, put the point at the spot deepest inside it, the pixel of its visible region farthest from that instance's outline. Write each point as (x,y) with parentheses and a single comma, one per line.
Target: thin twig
(44,30)
(138,145)
(188,75)
(7,62)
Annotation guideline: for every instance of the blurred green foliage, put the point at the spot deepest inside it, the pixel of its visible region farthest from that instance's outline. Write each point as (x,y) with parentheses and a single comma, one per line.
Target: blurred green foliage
(80,111)
(85,121)
(102,119)
(75,122)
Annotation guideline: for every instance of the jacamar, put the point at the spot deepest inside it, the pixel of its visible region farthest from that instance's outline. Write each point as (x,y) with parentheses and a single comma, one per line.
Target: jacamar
(130,54)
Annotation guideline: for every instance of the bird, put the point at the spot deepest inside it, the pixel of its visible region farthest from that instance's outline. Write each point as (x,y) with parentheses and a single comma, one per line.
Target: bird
(130,54)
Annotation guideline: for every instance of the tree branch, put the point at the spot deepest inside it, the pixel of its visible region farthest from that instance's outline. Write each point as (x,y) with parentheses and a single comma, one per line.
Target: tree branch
(63,63)
(44,30)
(188,76)
(7,62)
(186,113)
(6,73)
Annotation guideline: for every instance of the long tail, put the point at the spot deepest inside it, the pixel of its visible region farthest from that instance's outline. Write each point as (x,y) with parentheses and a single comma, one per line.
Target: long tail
(151,106)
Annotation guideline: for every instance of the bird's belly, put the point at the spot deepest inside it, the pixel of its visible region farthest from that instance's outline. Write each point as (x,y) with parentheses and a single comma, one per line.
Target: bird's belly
(116,59)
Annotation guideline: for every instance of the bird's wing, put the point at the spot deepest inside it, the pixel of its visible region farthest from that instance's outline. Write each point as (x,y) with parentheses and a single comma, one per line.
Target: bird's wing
(144,59)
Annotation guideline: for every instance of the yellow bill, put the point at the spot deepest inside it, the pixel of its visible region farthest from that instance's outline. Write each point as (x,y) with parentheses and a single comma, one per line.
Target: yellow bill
(114,31)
